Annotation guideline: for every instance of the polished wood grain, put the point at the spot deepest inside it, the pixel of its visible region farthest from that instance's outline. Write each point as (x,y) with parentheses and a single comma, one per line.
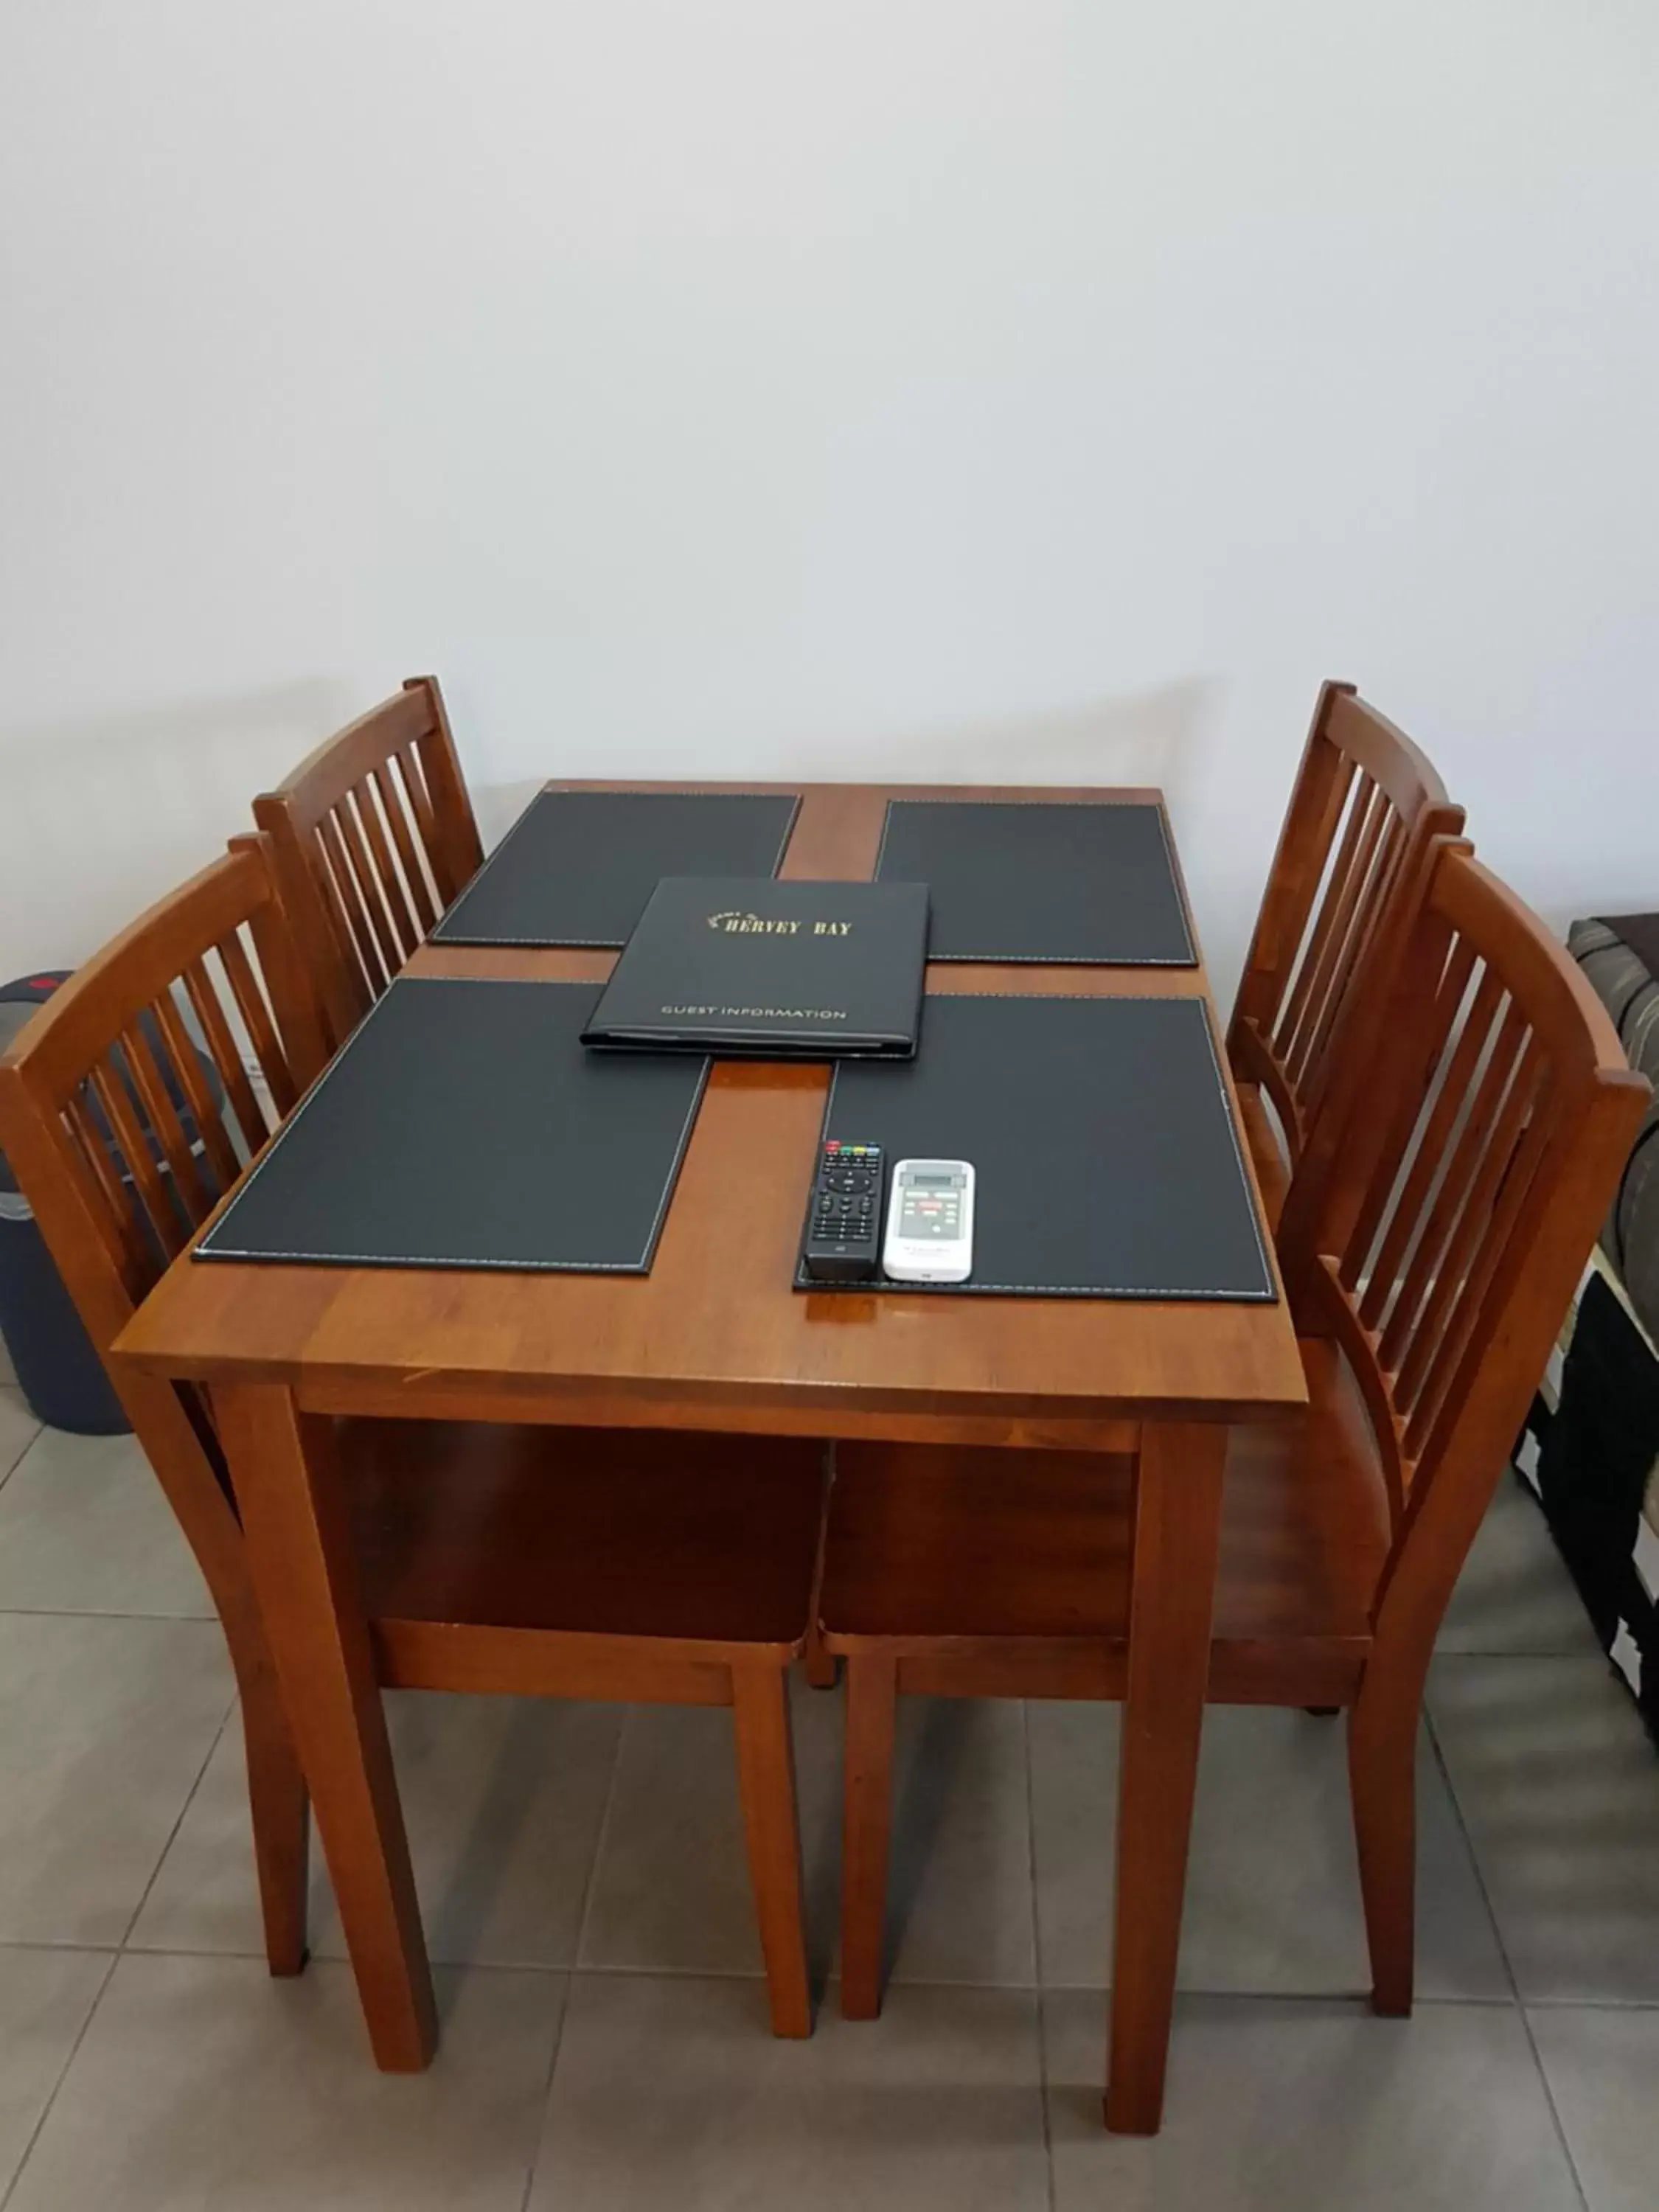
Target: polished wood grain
(305,1574)
(1455,1213)
(929,1546)
(766,1781)
(1347,879)
(347,1555)
(373,836)
(1172,1561)
(714,1337)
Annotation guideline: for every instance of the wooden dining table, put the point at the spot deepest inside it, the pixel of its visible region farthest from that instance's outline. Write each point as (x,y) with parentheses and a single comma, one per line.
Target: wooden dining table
(714,1337)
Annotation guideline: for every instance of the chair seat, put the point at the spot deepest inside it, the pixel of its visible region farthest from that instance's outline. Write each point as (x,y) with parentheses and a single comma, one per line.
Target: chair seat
(933,1550)
(636,1534)
(1266,1154)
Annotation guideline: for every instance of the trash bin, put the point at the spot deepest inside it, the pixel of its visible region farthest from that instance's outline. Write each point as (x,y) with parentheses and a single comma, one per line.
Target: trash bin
(59,1373)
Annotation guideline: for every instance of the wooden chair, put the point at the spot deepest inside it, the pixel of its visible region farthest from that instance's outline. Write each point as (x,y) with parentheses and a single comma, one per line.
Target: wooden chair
(374,837)
(557,1562)
(1346,878)
(1472,1182)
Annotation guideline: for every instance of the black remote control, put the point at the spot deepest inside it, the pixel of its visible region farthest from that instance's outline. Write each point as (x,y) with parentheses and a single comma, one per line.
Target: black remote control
(843,1228)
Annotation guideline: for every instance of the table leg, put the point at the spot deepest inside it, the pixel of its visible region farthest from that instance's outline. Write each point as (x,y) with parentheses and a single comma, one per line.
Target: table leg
(1178,1521)
(283,1468)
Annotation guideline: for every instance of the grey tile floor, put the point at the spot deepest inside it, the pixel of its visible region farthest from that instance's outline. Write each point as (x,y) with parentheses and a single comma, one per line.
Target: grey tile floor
(605,2046)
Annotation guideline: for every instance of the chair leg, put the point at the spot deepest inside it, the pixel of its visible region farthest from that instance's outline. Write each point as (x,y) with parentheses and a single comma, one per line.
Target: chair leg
(303,1566)
(766,1783)
(281,1807)
(867,1819)
(1383,1780)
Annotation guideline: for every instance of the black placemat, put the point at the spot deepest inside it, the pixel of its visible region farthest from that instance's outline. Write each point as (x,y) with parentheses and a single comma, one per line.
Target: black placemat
(463,1125)
(1107,1164)
(578,866)
(1041,882)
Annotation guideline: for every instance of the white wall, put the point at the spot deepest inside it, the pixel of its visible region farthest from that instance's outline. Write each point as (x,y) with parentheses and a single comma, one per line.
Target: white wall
(972,388)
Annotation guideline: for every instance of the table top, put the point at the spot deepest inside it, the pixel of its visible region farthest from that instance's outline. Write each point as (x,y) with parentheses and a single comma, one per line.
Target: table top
(714,1336)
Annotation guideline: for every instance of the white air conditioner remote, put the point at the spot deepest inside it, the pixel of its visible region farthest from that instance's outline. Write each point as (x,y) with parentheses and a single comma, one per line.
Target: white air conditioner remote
(930,1222)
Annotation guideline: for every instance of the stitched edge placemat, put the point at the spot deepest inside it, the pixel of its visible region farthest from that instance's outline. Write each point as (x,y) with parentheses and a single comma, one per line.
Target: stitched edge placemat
(575,1002)
(939,947)
(452,928)
(1261,1291)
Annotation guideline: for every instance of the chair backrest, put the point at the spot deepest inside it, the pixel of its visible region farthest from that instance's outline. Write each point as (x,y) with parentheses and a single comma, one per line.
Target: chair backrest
(1458,1208)
(1349,864)
(375,836)
(127,1109)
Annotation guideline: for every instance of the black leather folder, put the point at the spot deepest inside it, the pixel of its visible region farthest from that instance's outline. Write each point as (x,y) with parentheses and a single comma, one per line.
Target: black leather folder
(578,866)
(463,1125)
(1107,1164)
(761,969)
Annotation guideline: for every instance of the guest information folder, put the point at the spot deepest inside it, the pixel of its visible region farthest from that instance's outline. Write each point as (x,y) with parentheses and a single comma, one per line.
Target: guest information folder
(762,969)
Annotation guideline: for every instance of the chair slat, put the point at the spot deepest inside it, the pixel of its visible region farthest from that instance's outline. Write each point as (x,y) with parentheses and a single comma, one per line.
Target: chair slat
(394,806)
(136,1156)
(420,798)
(1427,1155)
(369,888)
(1345,906)
(166,1127)
(225,1054)
(204,1111)
(1362,794)
(375,972)
(399,912)
(256,1016)
(1469,1136)
(1394,1213)
(459,852)
(1381,885)
(114,1215)
(1300,882)
(1447,1337)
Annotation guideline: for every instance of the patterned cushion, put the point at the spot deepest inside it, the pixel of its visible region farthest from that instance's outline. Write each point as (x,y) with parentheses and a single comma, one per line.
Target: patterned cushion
(1629,992)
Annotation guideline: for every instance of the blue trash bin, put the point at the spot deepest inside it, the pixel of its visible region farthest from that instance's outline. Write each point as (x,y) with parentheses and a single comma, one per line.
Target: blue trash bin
(57,1369)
